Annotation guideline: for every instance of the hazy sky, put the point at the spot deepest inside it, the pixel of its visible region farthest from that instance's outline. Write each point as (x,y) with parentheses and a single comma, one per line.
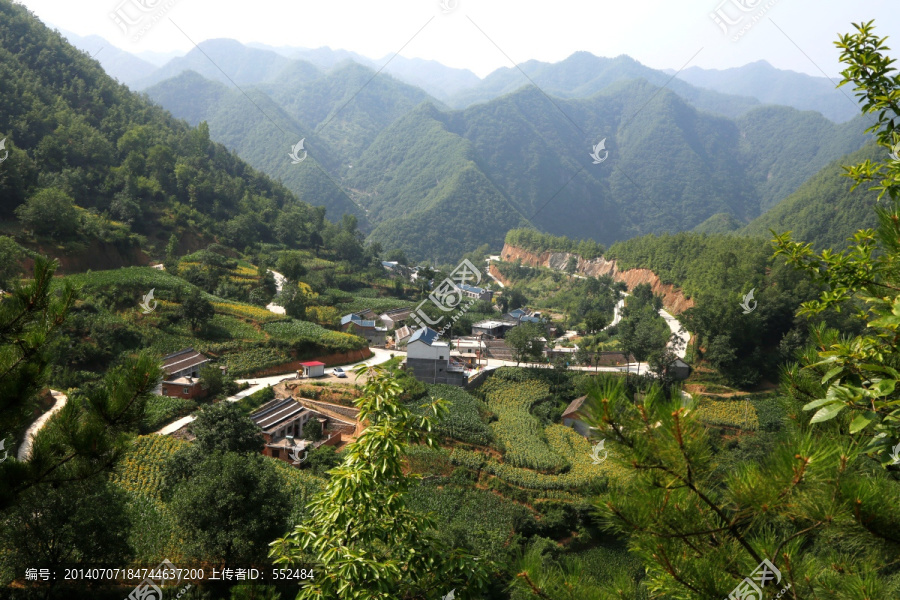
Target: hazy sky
(661,34)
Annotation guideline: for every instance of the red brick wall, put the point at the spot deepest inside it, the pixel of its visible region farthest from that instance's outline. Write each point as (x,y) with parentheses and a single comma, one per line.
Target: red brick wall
(177,391)
(340,358)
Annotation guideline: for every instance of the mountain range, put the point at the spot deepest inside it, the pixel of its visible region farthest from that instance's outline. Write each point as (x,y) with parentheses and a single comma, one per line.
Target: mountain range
(434,161)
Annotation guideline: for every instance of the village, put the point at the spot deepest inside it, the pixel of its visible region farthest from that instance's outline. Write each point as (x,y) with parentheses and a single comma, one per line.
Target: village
(292,424)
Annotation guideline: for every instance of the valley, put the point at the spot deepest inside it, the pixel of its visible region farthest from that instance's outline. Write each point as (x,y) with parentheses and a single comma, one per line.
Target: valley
(280,321)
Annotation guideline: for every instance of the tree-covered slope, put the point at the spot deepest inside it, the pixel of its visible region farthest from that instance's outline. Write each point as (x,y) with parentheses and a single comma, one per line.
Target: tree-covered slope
(824,211)
(92,158)
(670,167)
(263,135)
(782,147)
(348,106)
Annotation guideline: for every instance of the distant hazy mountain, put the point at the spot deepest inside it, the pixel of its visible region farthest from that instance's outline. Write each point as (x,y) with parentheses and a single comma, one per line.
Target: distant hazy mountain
(777,86)
(214,58)
(117,63)
(437,79)
(159,58)
(583,74)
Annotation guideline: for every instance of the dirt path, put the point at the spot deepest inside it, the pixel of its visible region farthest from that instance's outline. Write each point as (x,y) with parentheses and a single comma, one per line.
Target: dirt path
(25,448)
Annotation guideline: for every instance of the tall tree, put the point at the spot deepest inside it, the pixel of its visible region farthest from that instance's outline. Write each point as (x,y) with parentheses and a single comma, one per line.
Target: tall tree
(524,341)
(197,310)
(231,507)
(365,543)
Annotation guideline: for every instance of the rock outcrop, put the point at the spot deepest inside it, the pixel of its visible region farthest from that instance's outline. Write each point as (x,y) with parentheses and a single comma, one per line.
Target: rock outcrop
(674,299)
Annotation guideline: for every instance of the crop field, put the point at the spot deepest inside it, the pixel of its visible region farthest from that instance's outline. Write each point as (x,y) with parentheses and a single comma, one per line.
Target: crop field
(306,331)
(162,409)
(485,520)
(140,469)
(520,433)
(728,413)
(464,423)
(361,303)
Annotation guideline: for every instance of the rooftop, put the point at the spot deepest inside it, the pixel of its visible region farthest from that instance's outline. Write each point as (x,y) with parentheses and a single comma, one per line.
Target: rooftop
(574,407)
(427,335)
(192,381)
(183,359)
(276,412)
(312,363)
(471,288)
(491,324)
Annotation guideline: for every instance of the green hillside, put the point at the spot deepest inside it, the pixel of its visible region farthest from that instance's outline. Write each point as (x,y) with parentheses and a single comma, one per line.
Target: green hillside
(668,170)
(824,211)
(81,144)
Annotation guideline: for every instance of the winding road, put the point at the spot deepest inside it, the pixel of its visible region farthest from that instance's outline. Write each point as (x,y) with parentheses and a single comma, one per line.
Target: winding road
(25,448)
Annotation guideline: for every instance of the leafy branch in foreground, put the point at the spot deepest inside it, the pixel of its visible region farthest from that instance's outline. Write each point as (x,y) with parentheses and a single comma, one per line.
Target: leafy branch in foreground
(360,537)
(821,512)
(861,373)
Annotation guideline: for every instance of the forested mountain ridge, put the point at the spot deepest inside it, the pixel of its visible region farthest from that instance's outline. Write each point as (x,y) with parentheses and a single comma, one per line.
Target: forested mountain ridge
(669,168)
(394,149)
(90,160)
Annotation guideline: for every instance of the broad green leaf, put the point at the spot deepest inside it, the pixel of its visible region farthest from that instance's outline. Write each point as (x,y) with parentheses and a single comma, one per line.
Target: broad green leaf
(862,421)
(827,413)
(831,373)
(885,386)
(820,402)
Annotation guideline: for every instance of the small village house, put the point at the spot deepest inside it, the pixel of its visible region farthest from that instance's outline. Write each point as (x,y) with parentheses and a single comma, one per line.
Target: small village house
(366,328)
(282,421)
(311,369)
(393,319)
(678,370)
(476,292)
(492,328)
(402,335)
(429,359)
(182,374)
(575,417)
